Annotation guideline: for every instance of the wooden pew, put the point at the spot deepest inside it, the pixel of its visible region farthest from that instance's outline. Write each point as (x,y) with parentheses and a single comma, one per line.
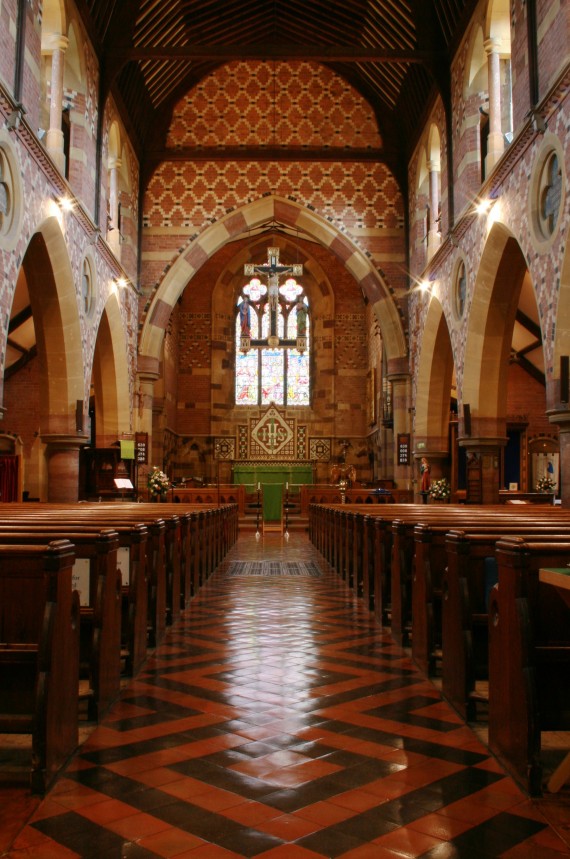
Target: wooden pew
(98,580)
(431,562)
(132,563)
(39,654)
(529,657)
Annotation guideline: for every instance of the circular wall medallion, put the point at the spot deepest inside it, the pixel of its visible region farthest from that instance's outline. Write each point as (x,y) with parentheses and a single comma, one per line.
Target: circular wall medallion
(87,286)
(547,192)
(460,289)
(10,194)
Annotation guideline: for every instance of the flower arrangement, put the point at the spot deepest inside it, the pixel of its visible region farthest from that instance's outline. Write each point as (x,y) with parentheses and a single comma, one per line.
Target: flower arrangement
(440,489)
(158,482)
(545,484)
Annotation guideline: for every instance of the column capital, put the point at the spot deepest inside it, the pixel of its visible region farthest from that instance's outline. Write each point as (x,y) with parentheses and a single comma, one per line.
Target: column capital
(148,369)
(114,163)
(398,370)
(480,443)
(434,165)
(492,45)
(561,419)
(54,42)
(65,441)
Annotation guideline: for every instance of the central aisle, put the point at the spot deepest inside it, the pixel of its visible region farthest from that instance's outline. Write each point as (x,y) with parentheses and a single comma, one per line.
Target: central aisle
(279,721)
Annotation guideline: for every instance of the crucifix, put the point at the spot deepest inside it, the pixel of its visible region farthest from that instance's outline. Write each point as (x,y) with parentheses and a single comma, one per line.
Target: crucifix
(273,270)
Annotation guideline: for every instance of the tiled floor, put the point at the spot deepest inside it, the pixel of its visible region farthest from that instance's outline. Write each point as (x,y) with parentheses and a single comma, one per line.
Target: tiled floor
(278,721)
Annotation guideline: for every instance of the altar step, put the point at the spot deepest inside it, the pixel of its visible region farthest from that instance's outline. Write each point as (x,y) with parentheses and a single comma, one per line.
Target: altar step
(295,523)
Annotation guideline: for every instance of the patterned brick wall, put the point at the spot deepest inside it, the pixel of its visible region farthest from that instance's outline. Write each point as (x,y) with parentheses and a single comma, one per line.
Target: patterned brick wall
(553,41)
(519,61)
(274,104)
(362,200)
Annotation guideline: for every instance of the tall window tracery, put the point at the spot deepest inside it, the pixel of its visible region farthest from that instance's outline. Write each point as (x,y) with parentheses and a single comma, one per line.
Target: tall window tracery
(273,374)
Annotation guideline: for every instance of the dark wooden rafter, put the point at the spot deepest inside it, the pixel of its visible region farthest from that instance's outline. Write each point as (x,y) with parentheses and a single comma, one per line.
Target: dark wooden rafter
(19,318)
(395,53)
(519,356)
(27,356)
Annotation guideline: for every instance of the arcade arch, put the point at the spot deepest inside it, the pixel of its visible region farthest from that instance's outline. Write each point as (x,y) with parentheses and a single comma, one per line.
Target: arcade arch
(502,306)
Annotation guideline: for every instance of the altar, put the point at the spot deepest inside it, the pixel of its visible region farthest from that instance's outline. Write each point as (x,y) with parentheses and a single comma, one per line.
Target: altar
(250,474)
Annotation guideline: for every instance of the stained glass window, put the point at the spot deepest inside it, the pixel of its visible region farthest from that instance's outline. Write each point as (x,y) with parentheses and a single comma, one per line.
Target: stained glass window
(274,374)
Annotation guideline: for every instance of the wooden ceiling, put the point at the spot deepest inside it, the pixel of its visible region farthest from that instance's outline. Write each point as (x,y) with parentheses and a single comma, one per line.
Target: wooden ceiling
(396,53)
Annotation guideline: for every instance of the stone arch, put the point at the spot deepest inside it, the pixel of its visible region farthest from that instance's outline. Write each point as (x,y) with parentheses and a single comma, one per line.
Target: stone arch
(498,23)
(250,217)
(434,144)
(477,74)
(115,146)
(55,312)
(490,329)
(561,344)
(74,68)
(110,376)
(434,381)
(54,16)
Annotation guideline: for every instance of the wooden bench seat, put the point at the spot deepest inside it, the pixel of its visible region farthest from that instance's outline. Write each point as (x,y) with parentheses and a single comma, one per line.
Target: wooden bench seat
(98,580)
(529,657)
(39,653)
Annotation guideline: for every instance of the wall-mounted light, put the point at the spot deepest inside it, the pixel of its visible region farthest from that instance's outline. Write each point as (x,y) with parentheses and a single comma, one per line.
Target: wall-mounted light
(65,204)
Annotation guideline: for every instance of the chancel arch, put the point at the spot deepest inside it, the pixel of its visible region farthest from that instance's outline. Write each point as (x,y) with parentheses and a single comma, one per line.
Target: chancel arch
(251,217)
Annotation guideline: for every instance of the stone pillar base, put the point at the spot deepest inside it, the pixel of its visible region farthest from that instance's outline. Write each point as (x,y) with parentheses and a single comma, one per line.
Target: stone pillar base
(62,455)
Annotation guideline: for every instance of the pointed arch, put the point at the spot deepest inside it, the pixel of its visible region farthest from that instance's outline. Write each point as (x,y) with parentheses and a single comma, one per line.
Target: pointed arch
(110,376)
(55,312)
(491,322)
(249,217)
(434,381)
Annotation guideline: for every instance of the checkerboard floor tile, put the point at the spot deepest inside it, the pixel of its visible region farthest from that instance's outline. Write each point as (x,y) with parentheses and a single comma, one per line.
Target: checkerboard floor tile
(279,721)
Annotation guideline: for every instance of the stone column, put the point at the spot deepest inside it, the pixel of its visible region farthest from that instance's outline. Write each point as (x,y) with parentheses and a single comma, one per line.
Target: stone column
(146,378)
(562,420)
(62,455)
(434,233)
(113,233)
(496,143)
(54,138)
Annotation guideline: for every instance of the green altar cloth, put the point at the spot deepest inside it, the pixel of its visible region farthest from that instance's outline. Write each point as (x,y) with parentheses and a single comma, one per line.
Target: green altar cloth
(272,494)
(250,474)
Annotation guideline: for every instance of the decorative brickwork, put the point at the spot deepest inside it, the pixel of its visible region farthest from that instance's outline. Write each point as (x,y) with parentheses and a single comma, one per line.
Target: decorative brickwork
(274,104)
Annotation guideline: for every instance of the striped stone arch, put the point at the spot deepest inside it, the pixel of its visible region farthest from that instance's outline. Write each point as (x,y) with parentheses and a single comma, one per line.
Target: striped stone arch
(496,293)
(250,217)
(433,381)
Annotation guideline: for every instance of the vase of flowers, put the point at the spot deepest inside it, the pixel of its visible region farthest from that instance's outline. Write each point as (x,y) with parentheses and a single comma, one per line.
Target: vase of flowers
(158,484)
(545,484)
(440,490)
